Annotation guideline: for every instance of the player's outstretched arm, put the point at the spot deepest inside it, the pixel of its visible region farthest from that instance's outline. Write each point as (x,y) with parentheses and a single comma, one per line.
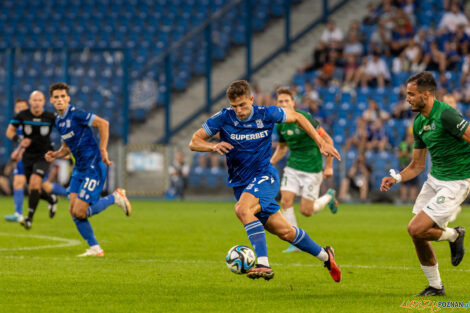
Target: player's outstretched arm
(199,142)
(326,149)
(280,152)
(328,170)
(417,165)
(103,130)
(61,153)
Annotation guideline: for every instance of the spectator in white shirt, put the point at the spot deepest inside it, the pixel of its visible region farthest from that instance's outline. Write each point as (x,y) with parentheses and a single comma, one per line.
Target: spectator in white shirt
(452,19)
(332,35)
(376,72)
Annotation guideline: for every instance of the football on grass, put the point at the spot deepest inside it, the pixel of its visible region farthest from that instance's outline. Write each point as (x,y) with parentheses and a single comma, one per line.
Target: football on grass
(240,259)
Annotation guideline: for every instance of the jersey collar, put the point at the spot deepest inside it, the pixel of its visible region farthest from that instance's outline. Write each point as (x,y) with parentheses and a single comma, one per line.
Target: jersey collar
(249,117)
(66,111)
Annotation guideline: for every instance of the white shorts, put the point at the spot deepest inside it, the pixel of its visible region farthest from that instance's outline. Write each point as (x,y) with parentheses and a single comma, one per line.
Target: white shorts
(441,200)
(302,183)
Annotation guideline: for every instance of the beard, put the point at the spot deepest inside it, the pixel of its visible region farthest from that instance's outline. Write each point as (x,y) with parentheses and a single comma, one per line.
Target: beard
(417,106)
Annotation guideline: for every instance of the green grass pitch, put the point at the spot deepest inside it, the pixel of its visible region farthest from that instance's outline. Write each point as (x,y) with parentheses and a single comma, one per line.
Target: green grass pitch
(170,257)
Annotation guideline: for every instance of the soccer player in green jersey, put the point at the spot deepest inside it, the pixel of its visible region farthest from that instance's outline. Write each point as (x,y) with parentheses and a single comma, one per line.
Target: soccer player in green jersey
(440,129)
(303,173)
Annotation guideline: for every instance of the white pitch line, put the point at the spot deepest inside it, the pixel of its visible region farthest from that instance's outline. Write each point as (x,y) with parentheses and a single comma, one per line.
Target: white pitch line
(65,242)
(176,261)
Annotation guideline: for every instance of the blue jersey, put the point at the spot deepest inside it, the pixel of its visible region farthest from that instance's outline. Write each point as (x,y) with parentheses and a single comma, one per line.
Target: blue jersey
(75,130)
(251,139)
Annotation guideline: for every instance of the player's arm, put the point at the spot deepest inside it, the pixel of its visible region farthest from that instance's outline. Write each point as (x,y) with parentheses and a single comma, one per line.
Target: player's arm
(199,142)
(417,165)
(325,148)
(328,170)
(280,152)
(61,153)
(103,130)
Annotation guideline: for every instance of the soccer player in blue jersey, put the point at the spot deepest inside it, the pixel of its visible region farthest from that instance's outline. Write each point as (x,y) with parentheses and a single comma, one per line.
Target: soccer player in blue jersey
(245,139)
(91,159)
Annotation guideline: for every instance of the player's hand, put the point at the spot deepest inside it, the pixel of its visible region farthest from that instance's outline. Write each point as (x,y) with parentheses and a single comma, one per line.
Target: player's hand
(222,147)
(329,150)
(328,172)
(387,183)
(25,142)
(49,156)
(104,157)
(17,154)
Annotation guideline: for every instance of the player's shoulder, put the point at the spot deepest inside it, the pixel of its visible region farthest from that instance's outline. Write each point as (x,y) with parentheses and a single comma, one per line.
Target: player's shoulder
(222,114)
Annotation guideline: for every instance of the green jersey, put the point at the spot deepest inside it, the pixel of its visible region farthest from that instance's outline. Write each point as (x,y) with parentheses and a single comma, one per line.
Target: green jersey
(441,133)
(304,153)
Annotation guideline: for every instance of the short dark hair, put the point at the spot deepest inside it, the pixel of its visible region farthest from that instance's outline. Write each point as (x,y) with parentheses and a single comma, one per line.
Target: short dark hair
(59,86)
(20,100)
(284,91)
(238,89)
(424,82)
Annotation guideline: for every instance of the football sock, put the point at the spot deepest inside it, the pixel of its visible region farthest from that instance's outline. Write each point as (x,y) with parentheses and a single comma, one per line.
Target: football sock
(58,189)
(303,241)
(47,196)
(290,216)
(84,228)
(449,234)
(433,276)
(257,237)
(33,201)
(18,196)
(321,202)
(100,206)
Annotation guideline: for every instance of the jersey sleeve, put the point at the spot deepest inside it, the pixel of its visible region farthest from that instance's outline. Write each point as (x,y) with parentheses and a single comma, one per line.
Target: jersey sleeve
(419,143)
(453,122)
(213,125)
(278,131)
(275,114)
(84,118)
(16,120)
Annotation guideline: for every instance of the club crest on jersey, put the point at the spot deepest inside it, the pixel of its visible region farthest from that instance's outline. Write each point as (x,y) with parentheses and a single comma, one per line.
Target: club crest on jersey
(28,129)
(235,123)
(259,123)
(44,130)
(290,132)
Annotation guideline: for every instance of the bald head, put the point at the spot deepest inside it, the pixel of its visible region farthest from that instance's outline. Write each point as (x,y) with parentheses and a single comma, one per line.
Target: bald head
(37,101)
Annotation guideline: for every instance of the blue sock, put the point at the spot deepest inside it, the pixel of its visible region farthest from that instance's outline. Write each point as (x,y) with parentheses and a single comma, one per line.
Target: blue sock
(255,232)
(84,228)
(99,206)
(303,241)
(58,189)
(18,196)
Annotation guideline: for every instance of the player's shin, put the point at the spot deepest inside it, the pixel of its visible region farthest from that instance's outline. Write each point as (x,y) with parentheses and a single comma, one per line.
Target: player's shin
(58,189)
(100,206)
(18,196)
(321,202)
(257,237)
(303,241)
(33,201)
(85,230)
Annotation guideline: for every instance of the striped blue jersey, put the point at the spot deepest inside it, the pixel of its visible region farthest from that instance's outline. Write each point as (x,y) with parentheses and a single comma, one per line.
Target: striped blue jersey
(75,130)
(251,139)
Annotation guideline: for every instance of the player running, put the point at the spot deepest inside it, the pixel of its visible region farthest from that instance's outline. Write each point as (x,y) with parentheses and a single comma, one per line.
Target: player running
(441,129)
(89,173)
(245,132)
(303,173)
(37,126)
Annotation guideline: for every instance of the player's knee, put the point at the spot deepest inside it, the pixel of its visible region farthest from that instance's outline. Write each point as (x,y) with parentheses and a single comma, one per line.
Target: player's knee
(286,203)
(306,210)
(288,234)
(414,230)
(79,214)
(241,211)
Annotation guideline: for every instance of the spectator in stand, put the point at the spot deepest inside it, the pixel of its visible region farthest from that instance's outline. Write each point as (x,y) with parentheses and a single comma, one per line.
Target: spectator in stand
(452,55)
(400,36)
(319,57)
(402,111)
(355,28)
(381,38)
(435,60)
(388,15)
(409,189)
(462,40)
(352,46)
(332,36)
(373,113)
(376,72)
(452,19)
(372,16)
(179,172)
(332,72)
(422,39)
(351,73)
(409,60)
(358,177)
(359,138)
(376,137)
(450,100)
(201,167)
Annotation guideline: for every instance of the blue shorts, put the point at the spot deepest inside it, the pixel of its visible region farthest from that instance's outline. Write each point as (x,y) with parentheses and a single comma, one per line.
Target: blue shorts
(19,169)
(265,186)
(88,184)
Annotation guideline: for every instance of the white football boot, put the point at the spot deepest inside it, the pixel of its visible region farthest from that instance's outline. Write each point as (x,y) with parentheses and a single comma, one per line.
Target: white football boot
(121,200)
(93,251)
